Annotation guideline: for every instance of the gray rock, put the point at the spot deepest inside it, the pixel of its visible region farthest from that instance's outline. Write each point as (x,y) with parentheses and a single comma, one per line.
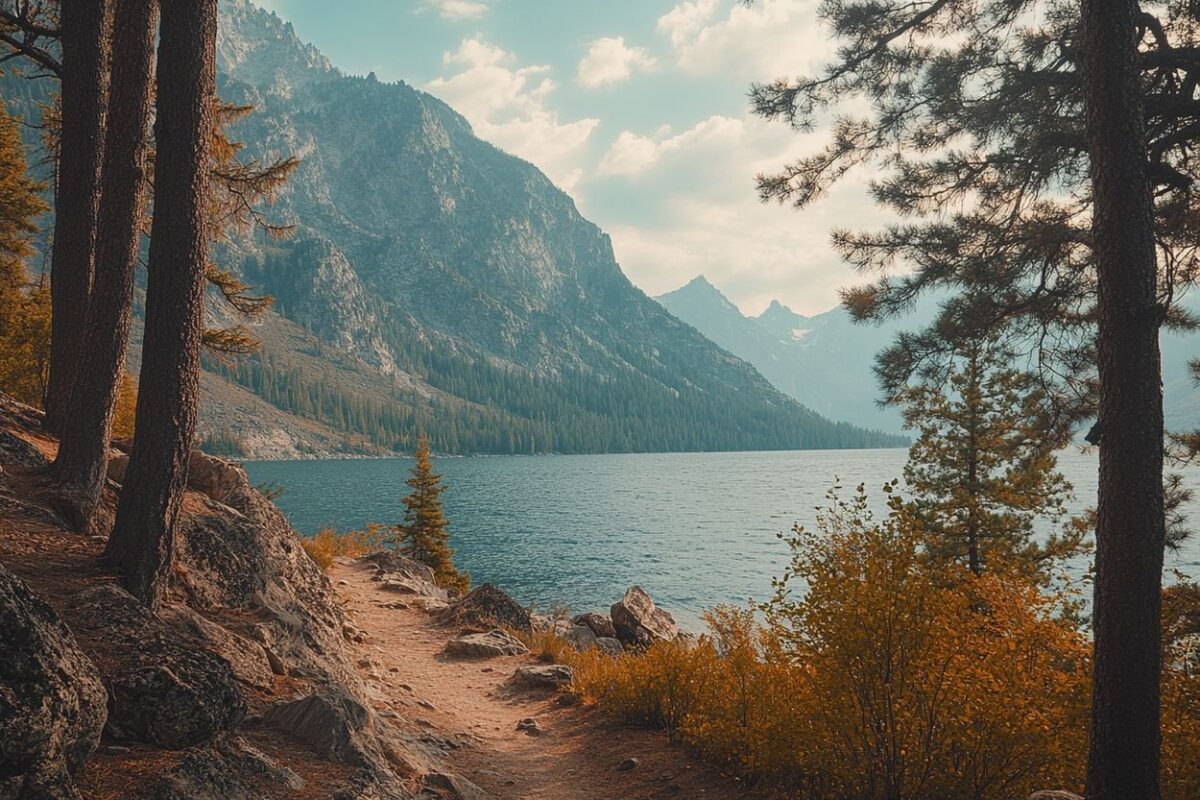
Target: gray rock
(17,452)
(580,637)
(52,703)
(1054,794)
(229,769)
(599,624)
(332,723)
(165,687)
(221,480)
(389,562)
(455,786)
(531,727)
(612,647)
(248,659)
(487,606)
(628,764)
(492,644)
(639,622)
(548,676)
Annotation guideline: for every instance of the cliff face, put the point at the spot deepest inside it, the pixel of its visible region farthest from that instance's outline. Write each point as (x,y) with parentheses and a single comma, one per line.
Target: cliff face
(458,278)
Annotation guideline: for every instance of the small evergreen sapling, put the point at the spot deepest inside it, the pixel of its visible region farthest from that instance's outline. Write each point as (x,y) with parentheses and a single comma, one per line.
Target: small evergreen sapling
(424,535)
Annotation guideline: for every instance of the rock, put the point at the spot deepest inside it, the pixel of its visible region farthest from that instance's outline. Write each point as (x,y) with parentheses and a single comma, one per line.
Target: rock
(457,787)
(249,558)
(389,562)
(165,686)
(611,647)
(332,723)
(249,660)
(1054,794)
(52,703)
(639,622)
(414,587)
(580,637)
(223,481)
(599,624)
(17,452)
(487,606)
(530,726)
(492,644)
(548,676)
(628,764)
(229,769)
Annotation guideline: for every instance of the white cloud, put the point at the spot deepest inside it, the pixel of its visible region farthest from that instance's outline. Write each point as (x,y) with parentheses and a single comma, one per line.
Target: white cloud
(506,104)
(609,60)
(456,10)
(685,20)
(711,221)
(632,154)
(767,40)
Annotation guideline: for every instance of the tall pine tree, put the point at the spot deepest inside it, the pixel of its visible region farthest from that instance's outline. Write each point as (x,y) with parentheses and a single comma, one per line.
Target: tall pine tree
(424,535)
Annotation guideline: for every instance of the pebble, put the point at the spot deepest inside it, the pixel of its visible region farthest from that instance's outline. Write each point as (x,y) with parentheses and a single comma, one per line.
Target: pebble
(628,764)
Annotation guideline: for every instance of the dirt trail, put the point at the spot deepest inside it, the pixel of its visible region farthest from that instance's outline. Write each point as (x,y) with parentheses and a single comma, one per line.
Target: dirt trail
(469,708)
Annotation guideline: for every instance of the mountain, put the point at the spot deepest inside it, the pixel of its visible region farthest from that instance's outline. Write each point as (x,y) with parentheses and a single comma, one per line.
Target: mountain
(826,361)
(436,284)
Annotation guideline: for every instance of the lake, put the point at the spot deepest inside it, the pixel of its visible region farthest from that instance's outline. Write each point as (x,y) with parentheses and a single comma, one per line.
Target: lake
(694,529)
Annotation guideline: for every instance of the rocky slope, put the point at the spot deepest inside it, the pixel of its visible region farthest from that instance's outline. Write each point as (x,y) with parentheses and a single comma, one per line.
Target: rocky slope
(260,679)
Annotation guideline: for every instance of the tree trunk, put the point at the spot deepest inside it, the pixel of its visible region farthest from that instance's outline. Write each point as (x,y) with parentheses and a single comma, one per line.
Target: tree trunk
(142,541)
(82,460)
(85,55)
(1123,762)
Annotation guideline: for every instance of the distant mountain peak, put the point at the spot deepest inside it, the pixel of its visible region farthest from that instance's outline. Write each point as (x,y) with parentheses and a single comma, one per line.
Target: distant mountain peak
(700,291)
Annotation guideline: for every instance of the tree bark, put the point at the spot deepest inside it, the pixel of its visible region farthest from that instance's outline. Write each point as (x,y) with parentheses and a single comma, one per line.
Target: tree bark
(1123,761)
(85,56)
(142,542)
(82,461)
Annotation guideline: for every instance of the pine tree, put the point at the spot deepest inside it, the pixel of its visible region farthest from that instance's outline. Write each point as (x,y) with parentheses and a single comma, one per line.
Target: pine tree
(80,466)
(142,542)
(24,309)
(982,469)
(424,535)
(86,48)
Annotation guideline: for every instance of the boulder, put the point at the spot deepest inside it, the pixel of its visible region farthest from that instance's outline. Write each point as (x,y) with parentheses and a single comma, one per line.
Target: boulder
(599,624)
(391,563)
(253,561)
(609,646)
(414,586)
(492,644)
(165,686)
(17,452)
(248,659)
(580,637)
(455,787)
(223,481)
(487,606)
(52,703)
(639,622)
(229,768)
(540,677)
(333,723)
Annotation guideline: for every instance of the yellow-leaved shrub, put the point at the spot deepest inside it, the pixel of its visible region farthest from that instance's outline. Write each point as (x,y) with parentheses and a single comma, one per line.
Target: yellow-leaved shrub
(885,676)
(327,544)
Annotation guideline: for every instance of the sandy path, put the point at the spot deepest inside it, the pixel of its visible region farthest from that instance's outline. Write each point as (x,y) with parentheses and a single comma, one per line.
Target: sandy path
(468,710)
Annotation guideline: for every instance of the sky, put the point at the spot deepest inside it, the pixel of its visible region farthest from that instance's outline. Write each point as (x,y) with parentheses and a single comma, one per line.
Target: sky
(638,109)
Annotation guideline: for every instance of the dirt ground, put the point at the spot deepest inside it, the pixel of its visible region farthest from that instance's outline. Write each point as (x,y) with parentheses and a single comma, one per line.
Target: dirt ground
(471,705)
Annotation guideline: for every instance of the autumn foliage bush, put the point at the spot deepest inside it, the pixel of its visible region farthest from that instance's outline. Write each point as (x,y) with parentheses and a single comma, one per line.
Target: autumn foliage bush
(327,544)
(889,677)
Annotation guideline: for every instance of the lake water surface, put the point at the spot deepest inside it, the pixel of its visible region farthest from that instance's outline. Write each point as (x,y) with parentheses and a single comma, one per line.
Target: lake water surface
(695,529)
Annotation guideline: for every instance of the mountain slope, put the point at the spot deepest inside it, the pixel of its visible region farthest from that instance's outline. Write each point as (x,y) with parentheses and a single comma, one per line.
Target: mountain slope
(826,361)
(478,304)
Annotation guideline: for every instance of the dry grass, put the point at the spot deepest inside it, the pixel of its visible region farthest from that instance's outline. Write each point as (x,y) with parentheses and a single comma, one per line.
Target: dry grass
(328,544)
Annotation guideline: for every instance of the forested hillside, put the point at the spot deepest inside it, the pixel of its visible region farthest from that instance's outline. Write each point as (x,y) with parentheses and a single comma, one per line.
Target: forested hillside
(434,282)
